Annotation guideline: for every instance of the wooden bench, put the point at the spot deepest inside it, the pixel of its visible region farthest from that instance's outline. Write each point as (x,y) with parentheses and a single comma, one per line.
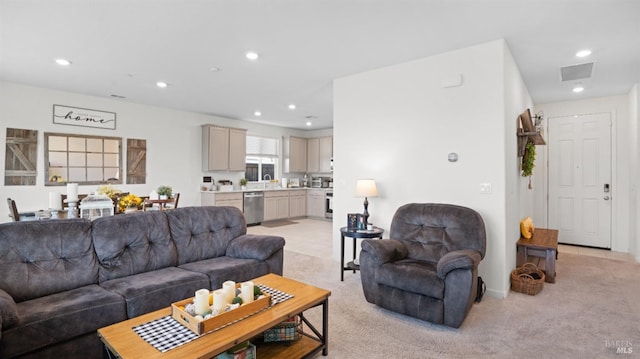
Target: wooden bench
(542,250)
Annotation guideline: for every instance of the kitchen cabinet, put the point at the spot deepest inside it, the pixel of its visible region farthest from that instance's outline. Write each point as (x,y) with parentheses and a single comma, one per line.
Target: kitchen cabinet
(319,154)
(297,203)
(276,205)
(223,149)
(313,155)
(295,154)
(237,149)
(315,203)
(326,154)
(222,199)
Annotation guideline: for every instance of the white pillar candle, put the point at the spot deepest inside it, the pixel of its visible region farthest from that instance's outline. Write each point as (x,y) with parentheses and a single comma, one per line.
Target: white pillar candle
(55,202)
(229,287)
(219,300)
(202,301)
(247,292)
(72,192)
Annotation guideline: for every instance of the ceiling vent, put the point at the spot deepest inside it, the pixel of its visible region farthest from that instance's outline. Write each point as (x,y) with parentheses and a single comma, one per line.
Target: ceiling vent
(577,72)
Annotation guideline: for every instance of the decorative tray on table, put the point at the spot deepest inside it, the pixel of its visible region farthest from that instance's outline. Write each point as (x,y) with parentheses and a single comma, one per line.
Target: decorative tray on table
(200,327)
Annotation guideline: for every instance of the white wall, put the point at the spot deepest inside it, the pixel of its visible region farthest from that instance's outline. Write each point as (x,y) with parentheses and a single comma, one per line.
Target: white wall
(519,200)
(621,163)
(398,124)
(173,141)
(634,162)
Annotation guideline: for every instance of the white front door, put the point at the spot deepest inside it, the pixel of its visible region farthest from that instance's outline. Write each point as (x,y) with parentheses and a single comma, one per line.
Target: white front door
(580,179)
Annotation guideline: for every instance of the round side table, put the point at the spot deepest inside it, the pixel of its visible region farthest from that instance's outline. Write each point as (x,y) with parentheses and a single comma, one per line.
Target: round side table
(354,234)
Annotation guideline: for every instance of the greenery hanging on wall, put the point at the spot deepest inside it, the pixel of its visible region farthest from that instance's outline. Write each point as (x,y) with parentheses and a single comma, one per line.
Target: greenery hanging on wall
(528,160)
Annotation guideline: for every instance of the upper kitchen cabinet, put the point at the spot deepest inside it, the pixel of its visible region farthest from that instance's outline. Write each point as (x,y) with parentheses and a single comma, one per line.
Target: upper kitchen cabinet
(319,153)
(295,154)
(223,149)
(326,154)
(313,154)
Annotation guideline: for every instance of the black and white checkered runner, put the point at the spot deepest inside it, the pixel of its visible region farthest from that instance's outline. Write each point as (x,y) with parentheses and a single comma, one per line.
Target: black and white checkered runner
(276,295)
(167,333)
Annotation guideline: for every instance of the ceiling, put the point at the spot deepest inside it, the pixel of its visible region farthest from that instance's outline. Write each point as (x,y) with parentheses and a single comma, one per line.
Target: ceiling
(123,47)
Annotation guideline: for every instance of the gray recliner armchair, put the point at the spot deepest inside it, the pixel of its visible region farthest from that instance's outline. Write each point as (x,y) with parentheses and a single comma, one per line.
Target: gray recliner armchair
(428,269)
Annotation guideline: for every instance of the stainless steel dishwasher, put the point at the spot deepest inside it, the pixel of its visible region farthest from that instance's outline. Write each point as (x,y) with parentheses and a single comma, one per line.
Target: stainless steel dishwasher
(253,207)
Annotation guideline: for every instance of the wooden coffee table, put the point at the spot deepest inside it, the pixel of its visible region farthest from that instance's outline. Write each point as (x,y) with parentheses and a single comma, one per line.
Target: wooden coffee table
(122,341)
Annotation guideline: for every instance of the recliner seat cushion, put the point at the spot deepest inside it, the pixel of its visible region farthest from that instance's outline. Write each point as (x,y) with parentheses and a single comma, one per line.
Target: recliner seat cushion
(149,291)
(62,316)
(222,269)
(412,276)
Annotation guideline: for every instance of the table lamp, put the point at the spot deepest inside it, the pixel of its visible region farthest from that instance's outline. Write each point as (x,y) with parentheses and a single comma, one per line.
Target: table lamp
(366,188)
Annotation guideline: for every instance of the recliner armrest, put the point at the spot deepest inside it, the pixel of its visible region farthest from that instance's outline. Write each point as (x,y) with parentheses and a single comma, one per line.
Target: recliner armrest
(8,310)
(460,259)
(254,246)
(385,250)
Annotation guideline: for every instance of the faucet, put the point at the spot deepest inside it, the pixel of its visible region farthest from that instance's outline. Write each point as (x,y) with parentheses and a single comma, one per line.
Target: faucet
(265,177)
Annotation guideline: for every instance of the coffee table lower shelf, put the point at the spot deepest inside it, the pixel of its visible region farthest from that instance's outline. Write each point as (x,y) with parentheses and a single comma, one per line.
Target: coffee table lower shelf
(298,349)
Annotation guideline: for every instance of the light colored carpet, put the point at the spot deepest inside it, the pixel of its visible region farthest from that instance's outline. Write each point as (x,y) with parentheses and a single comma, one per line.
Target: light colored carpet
(591,310)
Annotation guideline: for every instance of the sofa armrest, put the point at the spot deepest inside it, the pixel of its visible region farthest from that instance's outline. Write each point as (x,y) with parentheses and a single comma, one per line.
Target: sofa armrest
(385,250)
(460,259)
(254,246)
(8,310)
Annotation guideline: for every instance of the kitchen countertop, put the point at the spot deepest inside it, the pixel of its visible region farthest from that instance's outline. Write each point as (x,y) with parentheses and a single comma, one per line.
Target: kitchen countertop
(269,189)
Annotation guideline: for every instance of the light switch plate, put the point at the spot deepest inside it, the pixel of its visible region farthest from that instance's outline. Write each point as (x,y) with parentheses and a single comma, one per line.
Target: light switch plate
(485,188)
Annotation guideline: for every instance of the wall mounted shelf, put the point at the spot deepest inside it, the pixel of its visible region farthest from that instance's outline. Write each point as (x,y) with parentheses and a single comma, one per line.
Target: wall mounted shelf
(526,132)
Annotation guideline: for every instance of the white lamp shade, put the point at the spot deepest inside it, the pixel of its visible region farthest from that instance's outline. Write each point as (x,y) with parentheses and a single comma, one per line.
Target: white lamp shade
(366,188)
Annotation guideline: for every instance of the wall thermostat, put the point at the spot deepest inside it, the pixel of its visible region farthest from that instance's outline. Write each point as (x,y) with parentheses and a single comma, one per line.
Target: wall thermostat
(453,157)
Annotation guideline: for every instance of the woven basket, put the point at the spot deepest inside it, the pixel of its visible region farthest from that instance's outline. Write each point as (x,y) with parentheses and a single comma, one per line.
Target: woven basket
(527,279)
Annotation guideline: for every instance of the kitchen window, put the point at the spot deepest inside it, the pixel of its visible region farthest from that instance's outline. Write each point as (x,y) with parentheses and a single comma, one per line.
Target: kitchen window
(262,158)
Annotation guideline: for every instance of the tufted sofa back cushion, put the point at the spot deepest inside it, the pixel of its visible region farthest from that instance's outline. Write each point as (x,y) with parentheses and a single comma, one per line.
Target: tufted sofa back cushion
(133,243)
(204,232)
(431,230)
(39,258)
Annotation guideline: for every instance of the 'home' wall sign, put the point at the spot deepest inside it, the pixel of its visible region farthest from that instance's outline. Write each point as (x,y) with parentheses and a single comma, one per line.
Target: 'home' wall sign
(76,116)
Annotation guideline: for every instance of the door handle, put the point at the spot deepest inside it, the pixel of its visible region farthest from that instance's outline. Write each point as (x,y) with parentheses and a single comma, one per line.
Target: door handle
(606,198)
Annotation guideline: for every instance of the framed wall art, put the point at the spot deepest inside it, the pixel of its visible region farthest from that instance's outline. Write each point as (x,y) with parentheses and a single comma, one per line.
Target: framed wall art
(76,116)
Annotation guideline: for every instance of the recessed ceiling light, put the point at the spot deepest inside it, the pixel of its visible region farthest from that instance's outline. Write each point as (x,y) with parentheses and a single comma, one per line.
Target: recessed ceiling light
(252,55)
(292,106)
(578,88)
(583,53)
(63,62)
(257,113)
(308,123)
(161,84)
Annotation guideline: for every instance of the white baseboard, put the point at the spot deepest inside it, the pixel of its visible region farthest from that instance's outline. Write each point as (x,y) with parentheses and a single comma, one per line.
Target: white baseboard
(496,293)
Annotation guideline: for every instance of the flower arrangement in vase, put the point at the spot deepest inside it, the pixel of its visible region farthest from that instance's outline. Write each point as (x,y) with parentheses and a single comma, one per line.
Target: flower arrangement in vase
(130,202)
(109,191)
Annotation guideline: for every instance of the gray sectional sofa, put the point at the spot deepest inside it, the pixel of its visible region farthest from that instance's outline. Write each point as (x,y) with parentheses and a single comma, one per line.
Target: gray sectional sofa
(61,280)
